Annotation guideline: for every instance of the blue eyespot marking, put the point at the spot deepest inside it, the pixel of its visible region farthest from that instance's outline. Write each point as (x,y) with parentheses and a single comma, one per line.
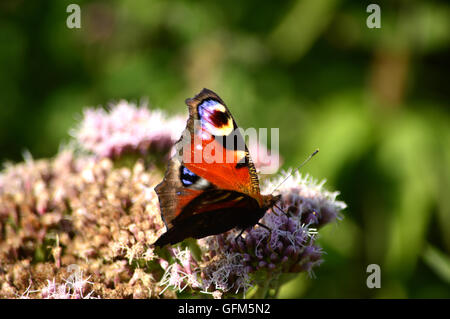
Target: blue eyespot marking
(214,118)
(186,182)
(206,104)
(187,177)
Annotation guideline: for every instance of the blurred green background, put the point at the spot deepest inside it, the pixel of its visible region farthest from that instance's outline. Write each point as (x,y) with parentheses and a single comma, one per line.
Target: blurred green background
(375,101)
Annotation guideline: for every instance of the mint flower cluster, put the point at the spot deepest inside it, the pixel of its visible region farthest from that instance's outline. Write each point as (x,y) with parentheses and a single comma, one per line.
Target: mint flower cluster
(92,212)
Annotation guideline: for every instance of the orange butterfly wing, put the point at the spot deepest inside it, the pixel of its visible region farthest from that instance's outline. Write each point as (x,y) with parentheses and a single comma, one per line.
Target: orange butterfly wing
(211,184)
(221,159)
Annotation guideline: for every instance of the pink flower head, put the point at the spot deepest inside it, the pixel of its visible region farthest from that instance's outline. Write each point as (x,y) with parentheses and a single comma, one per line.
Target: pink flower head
(288,245)
(126,127)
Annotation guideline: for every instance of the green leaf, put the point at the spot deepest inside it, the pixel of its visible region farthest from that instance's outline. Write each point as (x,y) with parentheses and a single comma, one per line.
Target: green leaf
(438,262)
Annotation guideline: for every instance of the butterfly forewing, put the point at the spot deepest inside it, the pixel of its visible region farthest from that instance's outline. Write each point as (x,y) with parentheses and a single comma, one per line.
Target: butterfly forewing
(211,184)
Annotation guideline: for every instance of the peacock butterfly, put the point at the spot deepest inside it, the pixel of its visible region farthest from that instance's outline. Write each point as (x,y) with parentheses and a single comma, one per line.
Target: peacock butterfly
(210,185)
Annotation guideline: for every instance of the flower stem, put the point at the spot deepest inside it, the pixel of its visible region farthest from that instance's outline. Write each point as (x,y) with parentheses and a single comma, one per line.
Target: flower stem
(263,290)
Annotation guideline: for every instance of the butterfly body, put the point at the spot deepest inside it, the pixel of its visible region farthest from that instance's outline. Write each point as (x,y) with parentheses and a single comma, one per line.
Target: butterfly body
(210,185)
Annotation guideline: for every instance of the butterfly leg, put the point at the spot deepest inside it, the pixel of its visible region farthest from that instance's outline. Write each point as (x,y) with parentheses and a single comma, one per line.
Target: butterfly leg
(287,215)
(264,226)
(242,231)
(270,230)
(239,236)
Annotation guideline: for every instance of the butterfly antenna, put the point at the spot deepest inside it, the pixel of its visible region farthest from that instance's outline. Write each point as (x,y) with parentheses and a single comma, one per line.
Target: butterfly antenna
(296,169)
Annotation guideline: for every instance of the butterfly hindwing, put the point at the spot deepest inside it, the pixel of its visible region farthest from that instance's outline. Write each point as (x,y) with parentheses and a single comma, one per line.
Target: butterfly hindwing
(212,212)
(177,189)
